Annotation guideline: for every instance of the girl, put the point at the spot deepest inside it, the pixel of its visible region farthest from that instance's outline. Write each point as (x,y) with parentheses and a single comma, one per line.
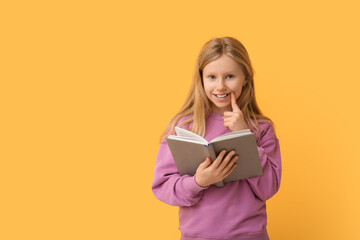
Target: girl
(221,100)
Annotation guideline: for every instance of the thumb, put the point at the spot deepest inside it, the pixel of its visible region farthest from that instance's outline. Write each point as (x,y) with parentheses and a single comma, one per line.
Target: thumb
(235,107)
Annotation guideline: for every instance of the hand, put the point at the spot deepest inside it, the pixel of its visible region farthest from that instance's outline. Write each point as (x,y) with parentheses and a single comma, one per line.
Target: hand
(209,173)
(234,120)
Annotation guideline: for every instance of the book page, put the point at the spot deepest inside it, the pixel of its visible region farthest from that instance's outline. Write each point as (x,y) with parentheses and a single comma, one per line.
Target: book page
(188,136)
(188,139)
(186,133)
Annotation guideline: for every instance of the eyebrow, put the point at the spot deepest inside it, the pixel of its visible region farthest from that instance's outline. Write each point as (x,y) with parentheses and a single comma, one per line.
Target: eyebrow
(232,72)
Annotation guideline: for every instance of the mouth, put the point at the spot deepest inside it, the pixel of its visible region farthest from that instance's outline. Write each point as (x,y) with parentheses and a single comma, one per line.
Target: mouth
(221,95)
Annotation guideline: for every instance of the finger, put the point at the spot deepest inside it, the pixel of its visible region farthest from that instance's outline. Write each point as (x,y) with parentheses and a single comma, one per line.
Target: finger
(205,163)
(235,107)
(231,163)
(228,114)
(231,170)
(227,125)
(226,160)
(219,158)
(227,120)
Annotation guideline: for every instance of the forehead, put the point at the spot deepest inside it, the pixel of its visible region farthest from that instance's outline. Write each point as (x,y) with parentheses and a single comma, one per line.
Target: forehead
(224,64)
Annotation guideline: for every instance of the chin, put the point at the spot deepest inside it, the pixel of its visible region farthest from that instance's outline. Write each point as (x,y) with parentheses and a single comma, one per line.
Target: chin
(223,107)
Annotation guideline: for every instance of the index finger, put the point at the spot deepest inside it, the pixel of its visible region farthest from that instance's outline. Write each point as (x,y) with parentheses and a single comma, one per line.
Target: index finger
(234,105)
(219,158)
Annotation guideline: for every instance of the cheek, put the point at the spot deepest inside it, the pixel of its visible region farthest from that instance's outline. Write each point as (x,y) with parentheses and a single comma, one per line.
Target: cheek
(237,89)
(233,88)
(207,88)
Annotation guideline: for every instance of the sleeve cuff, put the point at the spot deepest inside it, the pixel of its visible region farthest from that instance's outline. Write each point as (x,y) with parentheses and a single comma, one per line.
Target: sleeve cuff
(190,185)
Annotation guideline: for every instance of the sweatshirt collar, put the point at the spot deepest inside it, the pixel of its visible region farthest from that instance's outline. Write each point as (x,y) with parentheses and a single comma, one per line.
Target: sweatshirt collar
(215,116)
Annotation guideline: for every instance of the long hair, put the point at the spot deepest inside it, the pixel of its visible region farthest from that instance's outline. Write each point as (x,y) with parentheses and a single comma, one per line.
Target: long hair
(197,106)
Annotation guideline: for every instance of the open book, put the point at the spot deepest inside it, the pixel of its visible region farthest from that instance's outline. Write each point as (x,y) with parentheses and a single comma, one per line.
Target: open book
(189,150)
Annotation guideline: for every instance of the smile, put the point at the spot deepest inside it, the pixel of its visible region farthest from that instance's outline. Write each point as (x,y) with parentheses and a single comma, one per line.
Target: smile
(222,95)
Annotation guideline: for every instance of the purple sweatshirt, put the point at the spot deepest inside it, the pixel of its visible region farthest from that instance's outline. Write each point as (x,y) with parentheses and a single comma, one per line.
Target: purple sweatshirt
(234,211)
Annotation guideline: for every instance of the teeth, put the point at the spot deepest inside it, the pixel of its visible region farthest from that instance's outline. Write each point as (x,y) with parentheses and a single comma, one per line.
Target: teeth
(221,95)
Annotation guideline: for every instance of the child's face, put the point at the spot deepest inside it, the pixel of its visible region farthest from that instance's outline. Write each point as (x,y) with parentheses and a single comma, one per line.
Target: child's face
(221,77)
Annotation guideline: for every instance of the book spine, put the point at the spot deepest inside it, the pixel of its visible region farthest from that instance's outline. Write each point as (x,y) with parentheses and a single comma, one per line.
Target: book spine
(210,152)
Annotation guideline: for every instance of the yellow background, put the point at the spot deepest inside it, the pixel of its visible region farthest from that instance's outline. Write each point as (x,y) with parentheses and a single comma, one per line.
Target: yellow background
(88,86)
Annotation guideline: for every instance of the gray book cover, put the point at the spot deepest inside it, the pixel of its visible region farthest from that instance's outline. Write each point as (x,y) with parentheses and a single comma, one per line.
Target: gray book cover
(189,150)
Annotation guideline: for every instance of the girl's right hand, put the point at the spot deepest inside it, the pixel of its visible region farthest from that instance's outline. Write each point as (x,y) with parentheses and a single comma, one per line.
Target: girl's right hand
(209,173)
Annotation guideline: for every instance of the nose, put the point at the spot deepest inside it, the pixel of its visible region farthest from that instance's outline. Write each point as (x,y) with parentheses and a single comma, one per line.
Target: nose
(221,85)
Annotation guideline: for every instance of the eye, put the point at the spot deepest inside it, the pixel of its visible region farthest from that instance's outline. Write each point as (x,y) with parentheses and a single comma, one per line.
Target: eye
(211,76)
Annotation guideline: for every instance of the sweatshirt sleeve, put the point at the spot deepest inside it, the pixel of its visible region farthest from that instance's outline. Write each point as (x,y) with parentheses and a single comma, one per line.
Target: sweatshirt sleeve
(265,186)
(168,186)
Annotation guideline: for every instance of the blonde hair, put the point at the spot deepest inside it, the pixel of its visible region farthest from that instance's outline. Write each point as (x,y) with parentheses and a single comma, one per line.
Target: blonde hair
(197,105)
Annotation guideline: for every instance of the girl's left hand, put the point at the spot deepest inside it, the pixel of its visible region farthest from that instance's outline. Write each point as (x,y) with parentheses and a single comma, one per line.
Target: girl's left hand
(234,120)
